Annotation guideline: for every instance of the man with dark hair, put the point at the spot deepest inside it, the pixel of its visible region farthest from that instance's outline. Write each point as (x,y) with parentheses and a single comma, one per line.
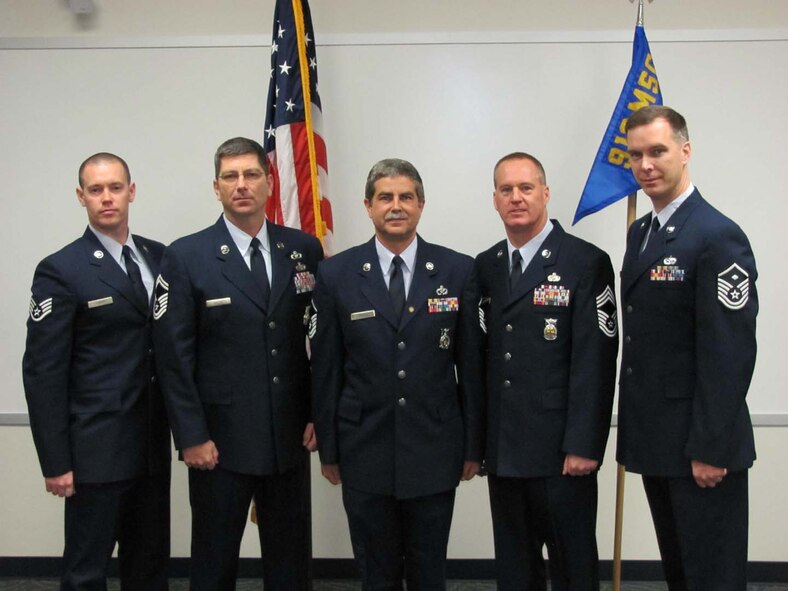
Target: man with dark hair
(547,303)
(96,413)
(394,422)
(688,291)
(231,310)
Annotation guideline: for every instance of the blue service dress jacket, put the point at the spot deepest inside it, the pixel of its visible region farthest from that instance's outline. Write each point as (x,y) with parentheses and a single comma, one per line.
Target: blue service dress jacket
(89,373)
(397,405)
(234,369)
(551,348)
(689,305)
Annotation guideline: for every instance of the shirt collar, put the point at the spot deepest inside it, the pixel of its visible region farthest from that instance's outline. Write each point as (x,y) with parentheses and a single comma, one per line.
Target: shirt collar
(115,248)
(529,249)
(243,240)
(385,256)
(667,211)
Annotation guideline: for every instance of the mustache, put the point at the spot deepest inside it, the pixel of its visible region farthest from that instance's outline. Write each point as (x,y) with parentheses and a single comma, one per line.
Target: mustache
(395,215)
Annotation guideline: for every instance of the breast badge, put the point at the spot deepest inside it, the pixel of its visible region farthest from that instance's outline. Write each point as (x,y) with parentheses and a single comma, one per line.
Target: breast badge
(444,342)
(550,329)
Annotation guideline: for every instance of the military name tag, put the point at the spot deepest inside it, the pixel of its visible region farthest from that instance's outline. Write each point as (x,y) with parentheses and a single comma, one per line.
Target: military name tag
(304,282)
(100,302)
(362,315)
(551,295)
(218,302)
(667,273)
(443,304)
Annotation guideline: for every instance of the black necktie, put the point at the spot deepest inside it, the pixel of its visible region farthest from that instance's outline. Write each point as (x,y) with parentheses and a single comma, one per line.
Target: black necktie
(651,234)
(517,269)
(257,263)
(133,271)
(397,287)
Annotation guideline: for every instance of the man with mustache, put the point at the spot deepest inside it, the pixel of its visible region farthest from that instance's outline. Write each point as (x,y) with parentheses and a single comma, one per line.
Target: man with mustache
(397,392)
(547,302)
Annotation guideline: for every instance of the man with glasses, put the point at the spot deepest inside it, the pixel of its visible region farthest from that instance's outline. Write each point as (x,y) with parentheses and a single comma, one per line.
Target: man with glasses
(231,311)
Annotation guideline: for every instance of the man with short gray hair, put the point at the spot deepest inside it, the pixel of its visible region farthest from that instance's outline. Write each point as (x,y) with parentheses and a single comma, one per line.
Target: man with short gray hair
(394,423)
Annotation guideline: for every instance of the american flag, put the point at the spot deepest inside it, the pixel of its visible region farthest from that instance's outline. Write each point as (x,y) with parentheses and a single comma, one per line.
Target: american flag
(293,124)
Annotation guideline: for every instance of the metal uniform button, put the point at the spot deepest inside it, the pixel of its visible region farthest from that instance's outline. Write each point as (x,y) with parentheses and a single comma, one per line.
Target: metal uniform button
(272,325)
(401,374)
(629,371)
(153,379)
(629,309)
(507,356)
(509,328)
(401,345)
(401,401)
(274,352)
(627,339)
(507,384)
(276,379)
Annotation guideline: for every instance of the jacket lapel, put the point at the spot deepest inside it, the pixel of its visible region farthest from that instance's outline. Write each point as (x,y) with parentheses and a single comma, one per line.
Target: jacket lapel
(422,280)
(233,265)
(637,263)
(109,272)
(373,286)
(282,262)
(537,269)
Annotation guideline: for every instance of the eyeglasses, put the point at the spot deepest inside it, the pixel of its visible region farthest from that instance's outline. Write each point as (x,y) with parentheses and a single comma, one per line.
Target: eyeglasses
(231,177)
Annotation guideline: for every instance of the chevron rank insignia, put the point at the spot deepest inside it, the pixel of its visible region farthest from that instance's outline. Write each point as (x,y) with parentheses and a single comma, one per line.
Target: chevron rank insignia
(39,311)
(733,287)
(161,296)
(312,330)
(484,303)
(606,312)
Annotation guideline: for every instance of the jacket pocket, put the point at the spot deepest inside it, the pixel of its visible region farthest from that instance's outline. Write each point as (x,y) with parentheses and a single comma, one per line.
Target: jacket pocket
(447,409)
(681,388)
(92,402)
(555,398)
(216,394)
(350,408)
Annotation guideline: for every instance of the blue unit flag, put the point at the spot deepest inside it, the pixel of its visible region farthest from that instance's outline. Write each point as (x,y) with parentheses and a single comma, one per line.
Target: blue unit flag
(611,178)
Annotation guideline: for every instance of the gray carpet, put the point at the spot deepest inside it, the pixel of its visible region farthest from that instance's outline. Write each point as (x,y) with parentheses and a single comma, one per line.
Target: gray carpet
(256,585)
